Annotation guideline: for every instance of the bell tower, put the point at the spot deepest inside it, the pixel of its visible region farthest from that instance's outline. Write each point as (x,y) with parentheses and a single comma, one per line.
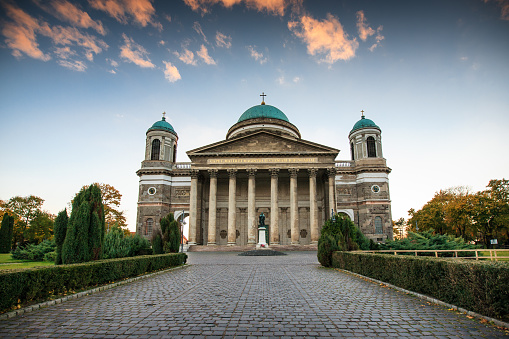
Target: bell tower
(365,140)
(154,196)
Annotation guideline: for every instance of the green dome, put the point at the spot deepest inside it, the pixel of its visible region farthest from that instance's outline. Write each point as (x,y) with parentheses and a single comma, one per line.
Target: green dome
(162,125)
(364,123)
(263,111)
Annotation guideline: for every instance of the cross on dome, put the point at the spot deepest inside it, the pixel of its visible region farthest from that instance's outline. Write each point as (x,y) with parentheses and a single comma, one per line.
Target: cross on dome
(164,115)
(263,95)
(362,116)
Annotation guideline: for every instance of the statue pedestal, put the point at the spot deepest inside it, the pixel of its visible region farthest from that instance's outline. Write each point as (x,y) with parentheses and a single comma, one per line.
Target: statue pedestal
(261,238)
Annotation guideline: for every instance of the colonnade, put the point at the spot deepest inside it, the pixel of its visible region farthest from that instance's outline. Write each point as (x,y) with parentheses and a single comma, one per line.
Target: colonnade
(251,210)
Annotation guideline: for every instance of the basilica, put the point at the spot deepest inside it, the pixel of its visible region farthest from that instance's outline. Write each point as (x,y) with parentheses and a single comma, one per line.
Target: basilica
(264,166)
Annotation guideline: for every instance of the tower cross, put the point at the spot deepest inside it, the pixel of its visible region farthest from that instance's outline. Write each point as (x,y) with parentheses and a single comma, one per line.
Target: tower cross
(164,115)
(362,111)
(263,95)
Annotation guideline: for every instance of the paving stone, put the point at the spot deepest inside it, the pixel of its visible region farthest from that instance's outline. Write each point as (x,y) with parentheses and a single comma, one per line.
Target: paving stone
(222,295)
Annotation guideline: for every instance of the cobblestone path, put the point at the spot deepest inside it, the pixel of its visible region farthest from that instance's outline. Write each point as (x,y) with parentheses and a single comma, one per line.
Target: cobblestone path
(224,295)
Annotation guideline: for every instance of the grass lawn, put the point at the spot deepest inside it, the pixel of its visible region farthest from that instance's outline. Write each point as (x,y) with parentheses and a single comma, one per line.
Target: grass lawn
(7,262)
(486,254)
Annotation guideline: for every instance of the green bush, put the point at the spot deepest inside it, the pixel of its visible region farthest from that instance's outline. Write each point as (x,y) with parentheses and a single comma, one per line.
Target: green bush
(157,243)
(327,244)
(60,230)
(6,233)
(479,286)
(50,256)
(429,241)
(346,235)
(139,246)
(116,244)
(22,286)
(34,252)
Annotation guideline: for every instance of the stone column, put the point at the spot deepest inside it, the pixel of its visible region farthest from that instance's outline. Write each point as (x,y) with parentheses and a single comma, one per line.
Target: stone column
(294,207)
(232,207)
(193,207)
(313,212)
(274,207)
(332,177)
(212,207)
(251,207)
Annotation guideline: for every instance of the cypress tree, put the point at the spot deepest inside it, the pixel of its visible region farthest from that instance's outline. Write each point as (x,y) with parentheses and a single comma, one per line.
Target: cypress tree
(60,230)
(174,236)
(6,233)
(85,232)
(157,243)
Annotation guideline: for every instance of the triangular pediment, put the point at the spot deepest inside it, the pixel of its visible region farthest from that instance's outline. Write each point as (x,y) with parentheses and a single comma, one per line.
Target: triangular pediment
(263,142)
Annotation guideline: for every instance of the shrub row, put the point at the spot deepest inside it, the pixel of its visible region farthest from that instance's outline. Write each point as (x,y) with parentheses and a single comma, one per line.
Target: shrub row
(479,286)
(22,286)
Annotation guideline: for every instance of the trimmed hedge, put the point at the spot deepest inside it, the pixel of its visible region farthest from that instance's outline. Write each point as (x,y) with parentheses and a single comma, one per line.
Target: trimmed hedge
(478,286)
(22,286)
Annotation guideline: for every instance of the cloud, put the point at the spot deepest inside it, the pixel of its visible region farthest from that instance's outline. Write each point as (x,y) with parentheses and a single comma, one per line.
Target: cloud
(171,73)
(504,8)
(112,71)
(141,11)
(186,57)
(66,11)
(325,38)
(223,40)
(274,7)
(379,37)
(20,34)
(197,28)
(364,30)
(258,56)
(204,54)
(112,62)
(135,53)
(73,65)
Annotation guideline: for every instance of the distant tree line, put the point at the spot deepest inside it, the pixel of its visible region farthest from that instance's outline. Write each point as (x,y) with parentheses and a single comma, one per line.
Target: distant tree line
(474,217)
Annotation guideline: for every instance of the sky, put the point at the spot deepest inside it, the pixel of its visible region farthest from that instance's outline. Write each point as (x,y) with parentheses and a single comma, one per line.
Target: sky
(82,81)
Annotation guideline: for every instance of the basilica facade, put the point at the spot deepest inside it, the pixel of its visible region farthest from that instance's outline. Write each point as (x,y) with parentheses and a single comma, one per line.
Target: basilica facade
(264,166)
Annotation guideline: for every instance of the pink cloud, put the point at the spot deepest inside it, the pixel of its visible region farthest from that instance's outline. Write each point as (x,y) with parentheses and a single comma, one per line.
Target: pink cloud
(186,57)
(141,11)
(74,65)
(66,11)
(325,38)
(504,8)
(258,56)
(204,54)
(132,52)
(20,34)
(275,7)
(364,30)
(171,73)
(223,40)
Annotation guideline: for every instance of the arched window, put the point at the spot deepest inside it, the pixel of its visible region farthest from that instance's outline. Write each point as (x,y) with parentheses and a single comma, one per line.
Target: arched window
(175,153)
(148,226)
(156,145)
(371,147)
(378,226)
(351,151)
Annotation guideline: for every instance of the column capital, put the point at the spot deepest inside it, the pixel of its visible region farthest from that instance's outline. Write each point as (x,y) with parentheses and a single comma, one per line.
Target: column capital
(251,172)
(312,172)
(274,172)
(213,173)
(331,172)
(195,173)
(232,173)
(293,172)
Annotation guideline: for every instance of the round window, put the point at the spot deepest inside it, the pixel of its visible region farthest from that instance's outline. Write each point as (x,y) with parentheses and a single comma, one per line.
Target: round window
(375,188)
(152,190)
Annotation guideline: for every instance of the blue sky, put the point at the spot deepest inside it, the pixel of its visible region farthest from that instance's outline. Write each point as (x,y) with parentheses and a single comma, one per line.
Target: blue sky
(81,82)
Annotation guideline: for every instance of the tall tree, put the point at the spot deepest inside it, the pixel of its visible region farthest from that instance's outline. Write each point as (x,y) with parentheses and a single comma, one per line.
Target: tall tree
(6,233)
(26,209)
(85,232)
(60,231)
(40,228)
(111,199)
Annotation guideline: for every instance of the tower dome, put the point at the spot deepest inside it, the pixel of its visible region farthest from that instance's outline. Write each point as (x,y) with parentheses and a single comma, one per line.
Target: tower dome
(162,125)
(364,123)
